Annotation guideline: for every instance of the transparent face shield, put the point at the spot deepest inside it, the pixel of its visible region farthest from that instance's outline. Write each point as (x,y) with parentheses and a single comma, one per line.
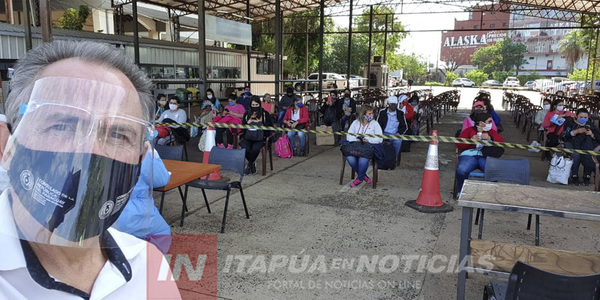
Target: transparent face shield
(74,161)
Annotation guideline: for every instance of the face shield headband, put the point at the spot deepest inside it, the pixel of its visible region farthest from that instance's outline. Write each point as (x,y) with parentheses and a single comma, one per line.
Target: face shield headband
(74,159)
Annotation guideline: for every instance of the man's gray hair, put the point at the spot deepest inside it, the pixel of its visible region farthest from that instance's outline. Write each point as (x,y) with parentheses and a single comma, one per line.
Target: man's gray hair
(29,67)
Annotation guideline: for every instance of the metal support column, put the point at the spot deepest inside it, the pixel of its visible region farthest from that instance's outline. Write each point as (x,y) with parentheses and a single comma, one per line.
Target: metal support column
(10,17)
(370,44)
(28,43)
(277,47)
(595,61)
(45,20)
(176,29)
(321,46)
(201,50)
(248,48)
(349,54)
(385,40)
(136,34)
(306,50)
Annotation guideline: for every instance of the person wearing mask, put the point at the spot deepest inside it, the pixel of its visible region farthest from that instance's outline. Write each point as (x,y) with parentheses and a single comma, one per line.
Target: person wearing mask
(232,114)
(267,104)
(209,109)
(541,114)
(403,105)
(245,98)
(478,107)
(174,113)
(580,133)
(254,140)
(470,156)
(552,122)
(393,122)
(286,102)
(414,103)
(346,107)
(161,103)
(364,124)
(330,118)
(81,114)
(296,117)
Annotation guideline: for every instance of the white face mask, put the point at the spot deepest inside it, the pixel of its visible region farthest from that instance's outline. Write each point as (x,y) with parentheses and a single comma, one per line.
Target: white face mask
(560,108)
(173,106)
(546,106)
(209,96)
(487,127)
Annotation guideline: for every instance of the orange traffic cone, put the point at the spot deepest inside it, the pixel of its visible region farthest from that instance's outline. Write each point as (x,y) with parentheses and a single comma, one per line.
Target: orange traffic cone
(430,200)
(210,142)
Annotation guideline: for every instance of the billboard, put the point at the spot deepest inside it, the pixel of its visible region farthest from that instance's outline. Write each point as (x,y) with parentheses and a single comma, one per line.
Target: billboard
(458,46)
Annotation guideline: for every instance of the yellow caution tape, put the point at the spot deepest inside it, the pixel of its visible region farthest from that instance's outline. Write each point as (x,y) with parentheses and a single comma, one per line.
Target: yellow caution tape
(412,138)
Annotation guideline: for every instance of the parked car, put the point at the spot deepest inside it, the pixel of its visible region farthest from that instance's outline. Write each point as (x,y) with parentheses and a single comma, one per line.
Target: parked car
(512,82)
(463,82)
(491,82)
(529,84)
(330,81)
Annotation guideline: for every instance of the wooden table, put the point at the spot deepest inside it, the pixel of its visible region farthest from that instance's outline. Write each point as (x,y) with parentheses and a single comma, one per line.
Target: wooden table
(183,172)
(525,199)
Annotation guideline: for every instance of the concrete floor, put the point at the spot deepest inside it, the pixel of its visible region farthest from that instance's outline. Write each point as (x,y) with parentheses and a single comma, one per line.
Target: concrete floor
(300,214)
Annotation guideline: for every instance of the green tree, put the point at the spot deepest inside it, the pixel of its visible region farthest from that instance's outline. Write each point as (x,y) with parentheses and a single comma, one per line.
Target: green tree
(74,19)
(477,76)
(502,56)
(571,48)
(450,76)
(579,75)
(414,67)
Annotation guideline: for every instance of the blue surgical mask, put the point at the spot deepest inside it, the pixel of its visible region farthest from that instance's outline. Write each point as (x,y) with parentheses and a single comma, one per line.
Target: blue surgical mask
(368,118)
(300,104)
(582,120)
(231,103)
(413,103)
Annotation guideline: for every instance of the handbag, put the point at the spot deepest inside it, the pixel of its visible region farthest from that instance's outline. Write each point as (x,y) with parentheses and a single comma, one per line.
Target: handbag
(560,169)
(493,151)
(255,135)
(358,149)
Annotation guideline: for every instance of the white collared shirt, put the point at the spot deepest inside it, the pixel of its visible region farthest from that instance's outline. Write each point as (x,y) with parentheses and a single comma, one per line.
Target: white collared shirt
(16,283)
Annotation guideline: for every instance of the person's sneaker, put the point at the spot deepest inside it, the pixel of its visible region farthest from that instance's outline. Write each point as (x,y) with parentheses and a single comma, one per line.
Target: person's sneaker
(586,180)
(368,180)
(247,170)
(253,168)
(230,146)
(302,153)
(220,145)
(296,153)
(574,180)
(355,183)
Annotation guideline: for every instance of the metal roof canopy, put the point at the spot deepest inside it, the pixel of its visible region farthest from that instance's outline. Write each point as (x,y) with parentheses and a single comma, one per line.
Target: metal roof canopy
(259,10)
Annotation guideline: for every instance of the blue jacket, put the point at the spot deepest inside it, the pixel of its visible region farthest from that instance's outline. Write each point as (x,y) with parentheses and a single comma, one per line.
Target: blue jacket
(140,216)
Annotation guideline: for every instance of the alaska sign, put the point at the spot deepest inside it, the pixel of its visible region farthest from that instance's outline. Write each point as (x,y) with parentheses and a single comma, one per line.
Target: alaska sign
(458,46)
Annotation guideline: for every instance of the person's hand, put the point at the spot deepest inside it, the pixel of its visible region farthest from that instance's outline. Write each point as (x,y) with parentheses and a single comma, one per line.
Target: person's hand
(476,137)
(4,134)
(485,136)
(589,132)
(293,124)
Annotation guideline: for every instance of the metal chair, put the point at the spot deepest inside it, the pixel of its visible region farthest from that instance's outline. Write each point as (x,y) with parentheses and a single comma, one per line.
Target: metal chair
(352,174)
(527,282)
(511,170)
(230,160)
(170,152)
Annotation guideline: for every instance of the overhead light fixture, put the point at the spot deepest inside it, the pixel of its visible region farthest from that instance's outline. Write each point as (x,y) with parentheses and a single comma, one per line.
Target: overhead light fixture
(248,18)
(222,11)
(236,15)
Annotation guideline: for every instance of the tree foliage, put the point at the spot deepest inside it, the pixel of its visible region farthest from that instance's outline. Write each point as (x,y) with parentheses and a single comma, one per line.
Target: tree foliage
(502,56)
(413,65)
(579,75)
(450,76)
(477,76)
(571,48)
(74,19)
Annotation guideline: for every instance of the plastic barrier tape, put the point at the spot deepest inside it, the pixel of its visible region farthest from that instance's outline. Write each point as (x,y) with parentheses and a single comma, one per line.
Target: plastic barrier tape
(413,138)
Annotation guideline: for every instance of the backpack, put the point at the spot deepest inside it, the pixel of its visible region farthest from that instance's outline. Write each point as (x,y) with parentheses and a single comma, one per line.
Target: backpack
(389,162)
(283,148)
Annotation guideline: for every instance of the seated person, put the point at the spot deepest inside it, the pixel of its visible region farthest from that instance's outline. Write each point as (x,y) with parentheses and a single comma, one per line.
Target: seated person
(541,114)
(232,114)
(414,103)
(174,114)
(346,106)
(330,117)
(478,107)
(211,107)
(552,123)
(268,105)
(470,156)
(393,122)
(409,113)
(286,102)
(489,108)
(580,133)
(296,117)
(253,139)
(161,102)
(140,217)
(364,124)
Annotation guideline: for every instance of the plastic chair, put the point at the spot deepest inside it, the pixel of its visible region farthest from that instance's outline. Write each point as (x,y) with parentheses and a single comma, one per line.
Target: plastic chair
(170,152)
(527,282)
(230,160)
(375,174)
(511,170)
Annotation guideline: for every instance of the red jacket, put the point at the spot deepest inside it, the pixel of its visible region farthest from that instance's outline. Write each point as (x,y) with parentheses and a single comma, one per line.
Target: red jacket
(303,115)
(410,111)
(470,132)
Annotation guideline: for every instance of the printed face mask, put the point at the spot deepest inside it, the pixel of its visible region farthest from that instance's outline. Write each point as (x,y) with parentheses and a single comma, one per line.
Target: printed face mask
(73,195)
(368,118)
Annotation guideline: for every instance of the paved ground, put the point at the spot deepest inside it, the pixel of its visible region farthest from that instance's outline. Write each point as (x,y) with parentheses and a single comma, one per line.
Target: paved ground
(359,243)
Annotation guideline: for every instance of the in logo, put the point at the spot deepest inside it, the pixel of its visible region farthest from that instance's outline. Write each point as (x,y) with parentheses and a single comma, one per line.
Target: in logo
(27,179)
(106,209)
